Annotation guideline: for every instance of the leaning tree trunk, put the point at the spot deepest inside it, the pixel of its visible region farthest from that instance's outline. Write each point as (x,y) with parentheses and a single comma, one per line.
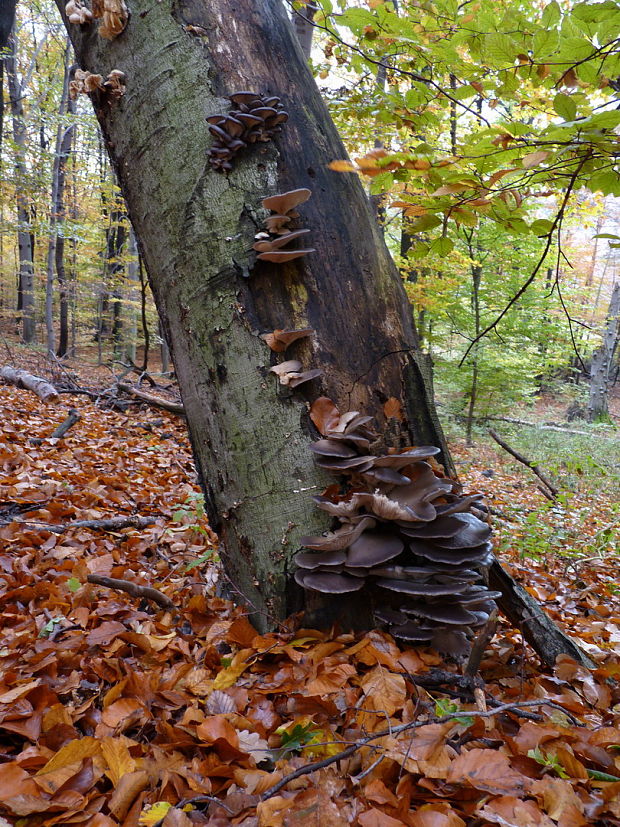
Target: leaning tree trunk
(196,228)
(602,360)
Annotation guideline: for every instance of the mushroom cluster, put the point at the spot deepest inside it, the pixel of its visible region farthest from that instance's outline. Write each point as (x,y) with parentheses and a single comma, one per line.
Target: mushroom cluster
(85,83)
(290,373)
(279,232)
(77,13)
(114,17)
(404,532)
(254,118)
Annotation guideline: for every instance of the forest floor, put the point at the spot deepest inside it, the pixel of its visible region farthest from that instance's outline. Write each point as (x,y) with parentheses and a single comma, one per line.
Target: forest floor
(116,710)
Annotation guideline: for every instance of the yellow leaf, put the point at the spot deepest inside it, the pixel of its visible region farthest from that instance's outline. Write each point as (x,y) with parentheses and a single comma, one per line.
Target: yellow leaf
(342,166)
(228,676)
(156,812)
(73,753)
(535,158)
(451,189)
(118,759)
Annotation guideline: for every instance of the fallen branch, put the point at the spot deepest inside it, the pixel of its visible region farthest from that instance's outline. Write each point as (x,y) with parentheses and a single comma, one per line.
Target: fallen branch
(22,379)
(109,524)
(552,491)
(350,750)
(69,422)
(173,407)
(134,589)
(547,640)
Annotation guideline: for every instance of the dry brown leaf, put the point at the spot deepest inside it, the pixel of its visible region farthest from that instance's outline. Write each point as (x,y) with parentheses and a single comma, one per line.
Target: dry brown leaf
(487,770)
(384,690)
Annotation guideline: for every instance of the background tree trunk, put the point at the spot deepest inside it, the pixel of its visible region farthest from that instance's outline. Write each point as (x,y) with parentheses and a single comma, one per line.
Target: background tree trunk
(602,360)
(196,228)
(24,234)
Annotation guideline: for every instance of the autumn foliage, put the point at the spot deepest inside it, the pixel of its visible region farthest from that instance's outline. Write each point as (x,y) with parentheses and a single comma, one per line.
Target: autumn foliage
(115,711)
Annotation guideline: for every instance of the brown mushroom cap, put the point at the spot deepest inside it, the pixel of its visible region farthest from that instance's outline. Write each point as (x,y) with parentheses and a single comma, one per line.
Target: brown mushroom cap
(279,256)
(373,548)
(290,366)
(279,340)
(306,376)
(275,243)
(336,464)
(286,201)
(275,223)
(244,97)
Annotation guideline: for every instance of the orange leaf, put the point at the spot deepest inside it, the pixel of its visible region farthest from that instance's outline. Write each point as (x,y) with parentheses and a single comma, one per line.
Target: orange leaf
(384,690)
(486,770)
(436,815)
(377,818)
(129,787)
(324,414)
(342,166)
(72,753)
(117,757)
(393,409)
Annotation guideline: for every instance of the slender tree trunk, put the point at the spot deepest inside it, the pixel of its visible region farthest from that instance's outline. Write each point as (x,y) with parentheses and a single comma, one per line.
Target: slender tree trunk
(476,277)
(602,360)
(304,27)
(7,19)
(61,151)
(133,279)
(26,301)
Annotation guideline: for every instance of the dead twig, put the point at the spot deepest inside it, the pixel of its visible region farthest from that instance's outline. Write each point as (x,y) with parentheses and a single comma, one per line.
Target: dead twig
(480,644)
(109,524)
(134,589)
(308,769)
(552,491)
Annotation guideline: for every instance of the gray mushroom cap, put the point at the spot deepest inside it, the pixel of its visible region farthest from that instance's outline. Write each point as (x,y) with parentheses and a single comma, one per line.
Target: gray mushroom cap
(449,613)
(331,448)
(422,589)
(372,548)
(473,532)
(327,582)
(308,560)
(476,555)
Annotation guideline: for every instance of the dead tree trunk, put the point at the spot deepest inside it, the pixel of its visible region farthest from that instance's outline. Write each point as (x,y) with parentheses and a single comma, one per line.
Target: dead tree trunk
(196,228)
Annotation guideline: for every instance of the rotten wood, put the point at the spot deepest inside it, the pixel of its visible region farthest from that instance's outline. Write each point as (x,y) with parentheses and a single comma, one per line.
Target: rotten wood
(480,644)
(22,379)
(151,399)
(134,589)
(552,491)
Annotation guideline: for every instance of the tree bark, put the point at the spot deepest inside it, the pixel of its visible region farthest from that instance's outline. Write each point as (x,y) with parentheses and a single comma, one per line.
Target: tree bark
(602,360)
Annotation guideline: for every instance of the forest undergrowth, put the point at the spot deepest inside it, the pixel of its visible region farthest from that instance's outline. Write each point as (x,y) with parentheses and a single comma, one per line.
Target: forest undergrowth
(116,709)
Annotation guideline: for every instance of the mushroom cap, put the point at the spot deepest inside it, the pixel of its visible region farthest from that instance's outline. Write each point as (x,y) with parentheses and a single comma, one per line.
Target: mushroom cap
(440,527)
(441,612)
(411,631)
(244,97)
(390,616)
(280,256)
(286,201)
(233,126)
(473,532)
(290,366)
(274,223)
(450,642)
(330,448)
(476,555)
(216,119)
(422,589)
(387,476)
(407,457)
(273,101)
(460,505)
(328,582)
(372,548)
(263,112)
(218,132)
(310,560)
(279,340)
(306,376)
(280,241)
(336,464)
(339,539)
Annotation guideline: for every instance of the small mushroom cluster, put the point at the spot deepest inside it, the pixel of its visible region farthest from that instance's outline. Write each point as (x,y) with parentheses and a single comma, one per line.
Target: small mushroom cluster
(254,118)
(279,232)
(85,83)
(290,373)
(114,17)
(406,533)
(77,13)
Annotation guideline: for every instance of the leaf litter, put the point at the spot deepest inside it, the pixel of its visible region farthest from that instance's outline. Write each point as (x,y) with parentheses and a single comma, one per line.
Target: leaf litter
(117,711)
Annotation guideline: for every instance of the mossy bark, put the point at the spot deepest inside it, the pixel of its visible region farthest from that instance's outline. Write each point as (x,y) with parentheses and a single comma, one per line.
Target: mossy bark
(196,228)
